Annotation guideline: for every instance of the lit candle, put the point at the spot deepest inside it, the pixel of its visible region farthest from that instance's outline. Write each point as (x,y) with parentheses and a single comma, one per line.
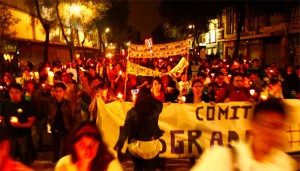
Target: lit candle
(51,78)
(48,69)
(14,119)
(212,74)
(263,97)
(36,75)
(183,99)
(120,96)
(227,66)
(133,97)
(1,87)
(224,60)
(229,75)
(245,61)
(252,91)
(120,73)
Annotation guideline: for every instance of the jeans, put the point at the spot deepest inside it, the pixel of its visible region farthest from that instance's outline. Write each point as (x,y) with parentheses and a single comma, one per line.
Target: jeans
(59,144)
(143,164)
(40,126)
(20,149)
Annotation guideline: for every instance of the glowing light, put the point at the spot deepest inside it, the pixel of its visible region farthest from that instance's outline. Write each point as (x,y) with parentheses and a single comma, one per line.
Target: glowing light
(263,97)
(120,96)
(14,119)
(183,98)
(107,30)
(109,55)
(120,73)
(212,74)
(229,75)
(252,91)
(134,97)
(51,78)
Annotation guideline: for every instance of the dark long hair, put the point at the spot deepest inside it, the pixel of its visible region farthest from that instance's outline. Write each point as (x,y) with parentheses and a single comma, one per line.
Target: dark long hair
(103,156)
(145,104)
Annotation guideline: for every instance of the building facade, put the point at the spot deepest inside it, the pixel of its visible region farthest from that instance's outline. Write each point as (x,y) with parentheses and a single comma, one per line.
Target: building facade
(270,38)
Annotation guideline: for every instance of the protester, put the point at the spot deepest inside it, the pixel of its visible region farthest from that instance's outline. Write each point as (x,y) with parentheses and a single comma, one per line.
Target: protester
(60,119)
(237,91)
(219,88)
(19,117)
(184,85)
(88,152)
(261,152)
(158,90)
(197,95)
(289,85)
(7,163)
(142,130)
(274,89)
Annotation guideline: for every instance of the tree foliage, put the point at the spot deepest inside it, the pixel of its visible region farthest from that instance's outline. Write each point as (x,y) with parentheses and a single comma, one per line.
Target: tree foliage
(180,14)
(6,20)
(79,16)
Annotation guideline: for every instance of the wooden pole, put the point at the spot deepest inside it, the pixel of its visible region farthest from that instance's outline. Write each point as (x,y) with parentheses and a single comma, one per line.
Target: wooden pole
(126,76)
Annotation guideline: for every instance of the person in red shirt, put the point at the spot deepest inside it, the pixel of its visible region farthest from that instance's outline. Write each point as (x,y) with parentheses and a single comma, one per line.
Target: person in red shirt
(237,91)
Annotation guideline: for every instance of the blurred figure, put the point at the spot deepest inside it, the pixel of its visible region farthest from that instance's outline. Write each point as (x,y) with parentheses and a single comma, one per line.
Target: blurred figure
(60,119)
(297,68)
(19,116)
(142,130)
(7,163)
(289,84)
(262,152)
(88,152)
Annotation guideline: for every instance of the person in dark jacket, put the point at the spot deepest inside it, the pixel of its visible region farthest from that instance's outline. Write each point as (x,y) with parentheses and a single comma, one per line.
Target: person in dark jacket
(142,124)
(60,119)
(197,95)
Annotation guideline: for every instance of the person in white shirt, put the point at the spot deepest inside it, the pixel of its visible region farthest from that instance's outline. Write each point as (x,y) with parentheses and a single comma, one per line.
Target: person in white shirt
(185,86)
(262,152)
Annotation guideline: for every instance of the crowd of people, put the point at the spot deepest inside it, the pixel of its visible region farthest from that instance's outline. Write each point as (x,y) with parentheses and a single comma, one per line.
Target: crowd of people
(60,96)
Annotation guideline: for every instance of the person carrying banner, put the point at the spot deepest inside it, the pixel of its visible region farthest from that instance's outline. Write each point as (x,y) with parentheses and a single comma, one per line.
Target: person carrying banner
(143,133)
(197,95)
(237,91)
(261,152)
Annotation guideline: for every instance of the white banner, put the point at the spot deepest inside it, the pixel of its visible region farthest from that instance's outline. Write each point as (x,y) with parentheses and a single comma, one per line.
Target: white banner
(159,50)
(191,128)
(143,71)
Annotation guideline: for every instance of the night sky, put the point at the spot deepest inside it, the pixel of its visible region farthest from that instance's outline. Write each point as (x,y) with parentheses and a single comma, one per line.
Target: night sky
(144,15)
